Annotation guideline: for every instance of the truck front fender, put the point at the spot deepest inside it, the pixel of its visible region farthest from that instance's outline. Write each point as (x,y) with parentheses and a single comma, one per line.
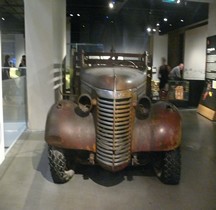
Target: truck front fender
(160,132)
(65,128)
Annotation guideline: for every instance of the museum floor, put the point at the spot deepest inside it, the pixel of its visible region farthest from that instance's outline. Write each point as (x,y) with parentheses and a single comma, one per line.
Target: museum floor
(25,182)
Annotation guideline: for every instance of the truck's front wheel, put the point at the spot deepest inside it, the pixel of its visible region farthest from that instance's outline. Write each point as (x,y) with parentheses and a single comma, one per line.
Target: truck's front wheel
(167,166)
(58,165)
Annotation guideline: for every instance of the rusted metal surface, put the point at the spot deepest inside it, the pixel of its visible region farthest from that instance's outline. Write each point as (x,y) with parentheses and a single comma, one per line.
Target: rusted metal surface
(160,132)
(67,129)
(114,120)
(103,77)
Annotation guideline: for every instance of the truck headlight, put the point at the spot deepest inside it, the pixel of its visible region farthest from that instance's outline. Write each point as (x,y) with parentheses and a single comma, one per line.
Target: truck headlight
(85,103)
(143,108)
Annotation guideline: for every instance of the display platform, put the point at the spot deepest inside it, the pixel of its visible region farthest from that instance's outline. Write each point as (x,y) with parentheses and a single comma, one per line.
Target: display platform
(207,112)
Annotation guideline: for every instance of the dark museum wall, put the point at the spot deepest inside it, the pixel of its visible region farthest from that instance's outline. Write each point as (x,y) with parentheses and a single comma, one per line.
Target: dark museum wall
(124,33)
(175,48)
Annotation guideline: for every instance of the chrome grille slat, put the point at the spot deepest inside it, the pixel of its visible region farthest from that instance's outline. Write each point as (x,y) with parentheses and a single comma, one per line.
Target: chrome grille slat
(105,134)
(118,145)
(121,115)
(106,110)
(108,125)
(105,114)
(105,101)
(113,131)
(110,164)
(106,141)
(119,160)
(105,125)
(104,118)
(106,106)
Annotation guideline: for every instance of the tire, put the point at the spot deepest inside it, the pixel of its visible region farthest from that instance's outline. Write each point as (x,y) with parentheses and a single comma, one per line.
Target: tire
(167,166)
(58,165)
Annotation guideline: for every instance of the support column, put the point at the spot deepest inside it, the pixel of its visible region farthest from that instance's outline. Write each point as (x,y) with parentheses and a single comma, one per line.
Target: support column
(212,19)
(45,32)
(2,153)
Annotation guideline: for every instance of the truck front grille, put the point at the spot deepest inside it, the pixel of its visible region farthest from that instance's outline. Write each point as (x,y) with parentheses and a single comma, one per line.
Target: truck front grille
(113,132)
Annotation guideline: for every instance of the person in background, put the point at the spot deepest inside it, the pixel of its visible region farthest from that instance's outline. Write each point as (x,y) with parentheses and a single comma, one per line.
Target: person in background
(163,76)
(177,72)
(6,68)
(22,66)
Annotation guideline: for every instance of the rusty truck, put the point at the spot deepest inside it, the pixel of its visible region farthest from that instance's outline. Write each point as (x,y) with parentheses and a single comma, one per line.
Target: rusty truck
(111,121)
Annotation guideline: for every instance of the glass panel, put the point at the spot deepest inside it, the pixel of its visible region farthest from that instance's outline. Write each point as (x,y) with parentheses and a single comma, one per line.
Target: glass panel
(14,108)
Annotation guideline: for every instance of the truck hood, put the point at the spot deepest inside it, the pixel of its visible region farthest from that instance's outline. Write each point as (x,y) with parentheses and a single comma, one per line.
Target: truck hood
(110,78)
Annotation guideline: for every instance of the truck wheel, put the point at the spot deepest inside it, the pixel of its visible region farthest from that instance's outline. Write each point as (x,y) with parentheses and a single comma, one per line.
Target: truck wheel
(167,166)
(58,165)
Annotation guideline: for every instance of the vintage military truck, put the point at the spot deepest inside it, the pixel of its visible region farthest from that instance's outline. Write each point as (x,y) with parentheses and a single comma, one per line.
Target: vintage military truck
(113,122)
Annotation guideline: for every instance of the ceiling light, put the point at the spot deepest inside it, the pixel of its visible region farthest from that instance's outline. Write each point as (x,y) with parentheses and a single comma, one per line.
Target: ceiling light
(165,19)
(182,20)
(78,15)
(71,15)
(111,5)
(154,30)
(2,18)
(172,1)
(169,1)
(149,29)
(170,24)
(158,24)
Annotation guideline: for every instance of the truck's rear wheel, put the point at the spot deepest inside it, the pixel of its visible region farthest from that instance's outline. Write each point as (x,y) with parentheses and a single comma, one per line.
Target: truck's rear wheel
(58,165)
(167,166)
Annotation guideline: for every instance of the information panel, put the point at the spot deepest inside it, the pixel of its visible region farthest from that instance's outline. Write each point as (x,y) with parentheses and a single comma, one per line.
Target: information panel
(207,106)
(211,58)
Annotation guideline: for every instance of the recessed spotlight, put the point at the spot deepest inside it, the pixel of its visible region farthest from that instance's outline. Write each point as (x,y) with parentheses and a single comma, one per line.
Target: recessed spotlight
(182,20)
(111,5)
(71,15)
(170,24)
(3,18)
(154,30)
(165,19)
(158,24)
(178,1)
(149,29)
(78,15)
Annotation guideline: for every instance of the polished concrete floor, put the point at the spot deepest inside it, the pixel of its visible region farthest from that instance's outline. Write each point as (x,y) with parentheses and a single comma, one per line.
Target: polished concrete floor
(26,184)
